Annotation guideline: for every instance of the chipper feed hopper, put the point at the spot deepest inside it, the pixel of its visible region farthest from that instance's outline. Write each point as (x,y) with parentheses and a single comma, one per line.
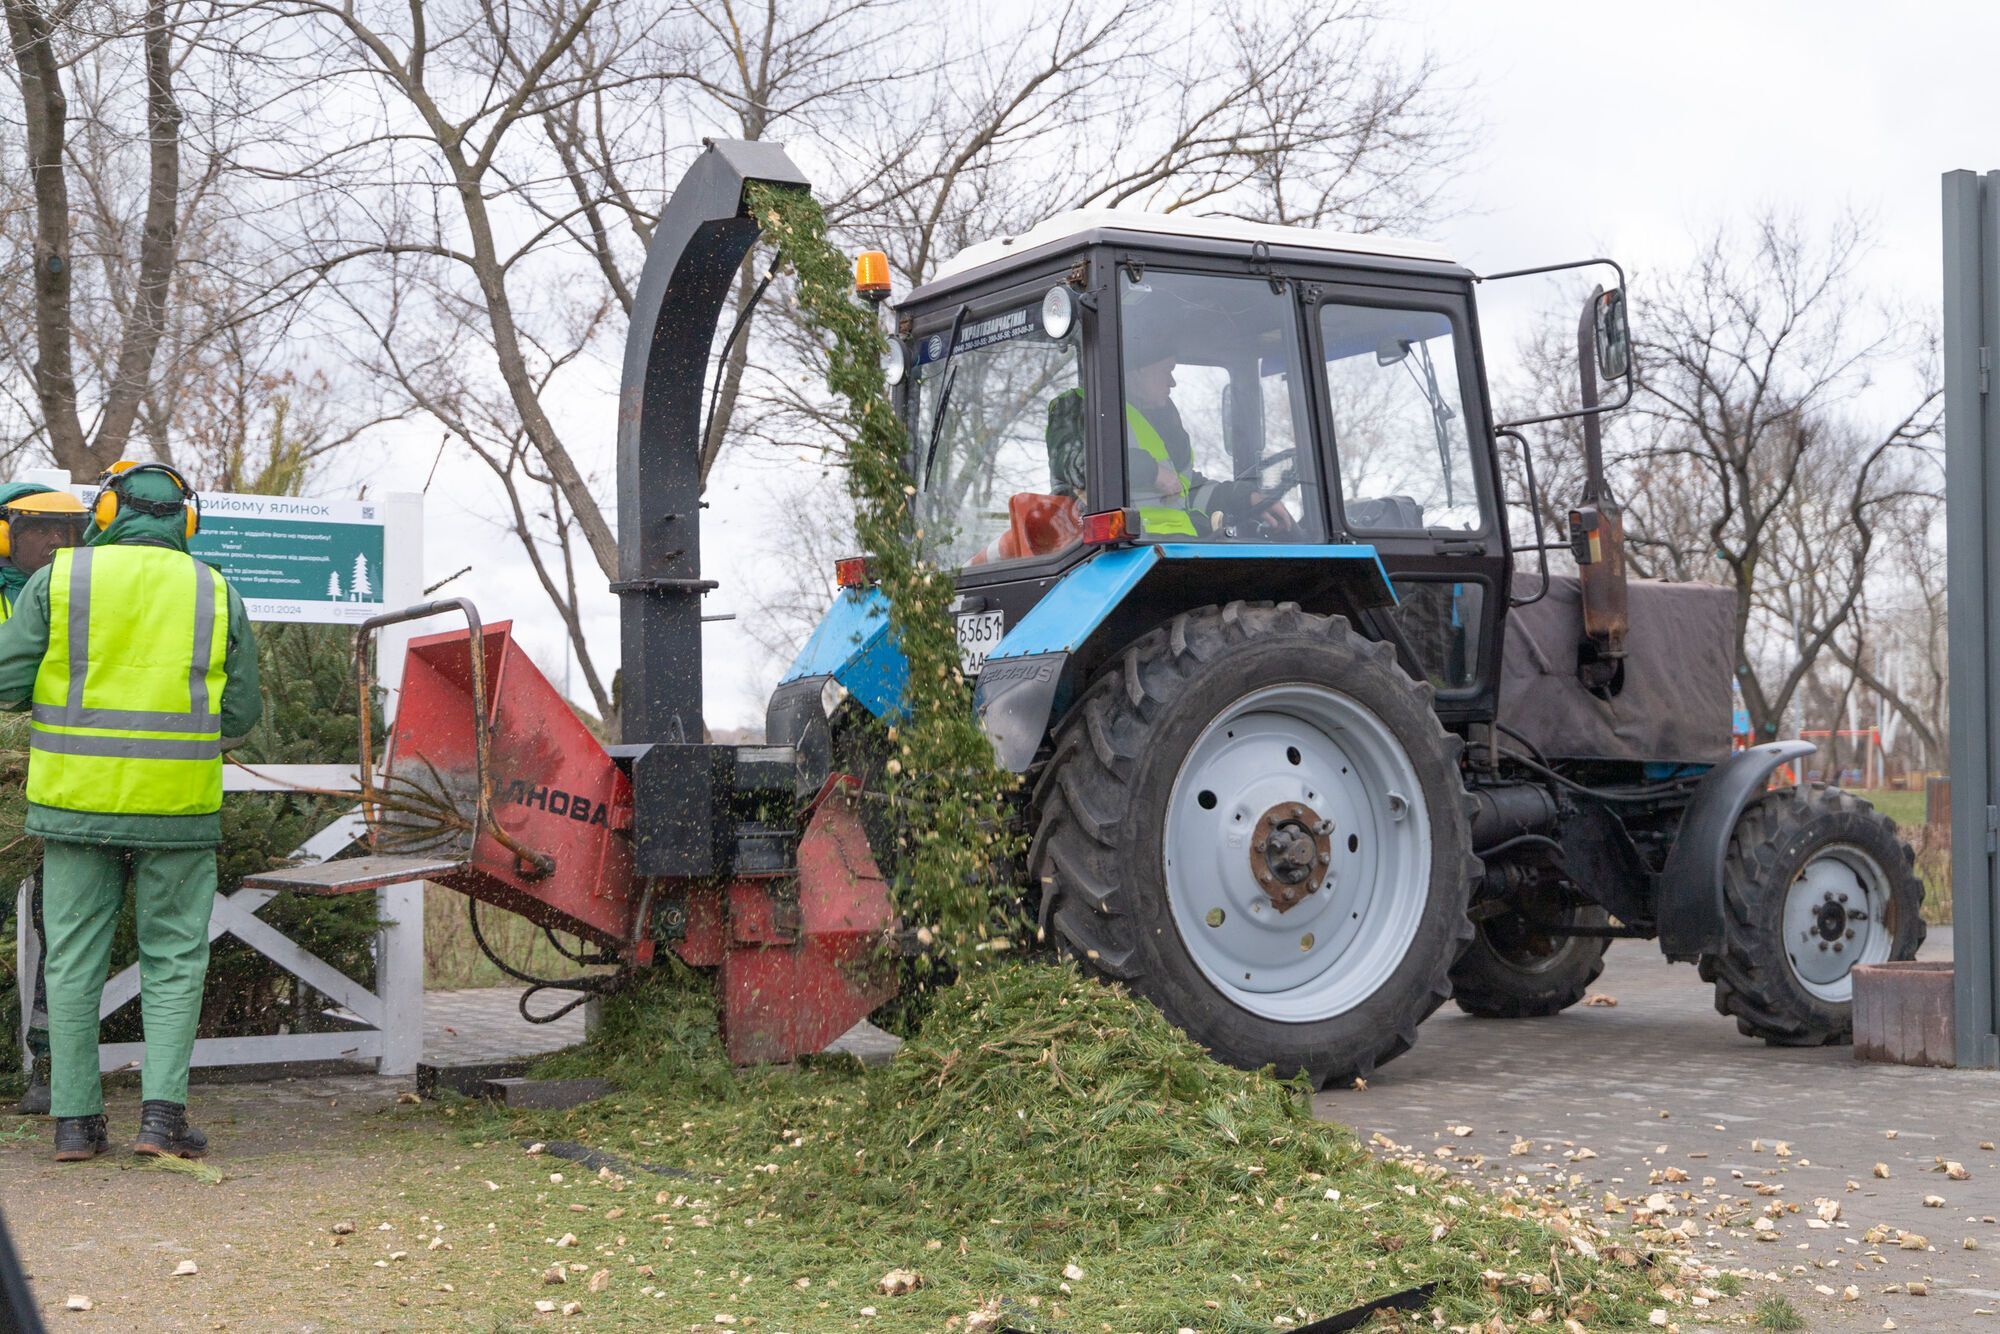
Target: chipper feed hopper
(1304,752)
(491,785)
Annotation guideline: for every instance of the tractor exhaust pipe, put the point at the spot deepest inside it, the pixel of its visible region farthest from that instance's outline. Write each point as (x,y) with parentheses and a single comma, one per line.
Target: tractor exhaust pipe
(1597,524)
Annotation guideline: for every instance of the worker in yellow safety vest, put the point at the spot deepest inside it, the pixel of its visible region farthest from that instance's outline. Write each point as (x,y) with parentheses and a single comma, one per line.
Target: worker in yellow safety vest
(35,522)
(139,667)
(1172,497)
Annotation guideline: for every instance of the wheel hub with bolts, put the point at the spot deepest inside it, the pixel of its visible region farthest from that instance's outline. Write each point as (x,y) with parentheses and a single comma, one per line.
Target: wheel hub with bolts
(1291,850)
(1297,852)
(1834,920)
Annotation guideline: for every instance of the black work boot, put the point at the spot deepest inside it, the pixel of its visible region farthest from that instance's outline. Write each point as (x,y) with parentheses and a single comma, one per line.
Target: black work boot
(164,1132)
(80,1138)
(35,1102)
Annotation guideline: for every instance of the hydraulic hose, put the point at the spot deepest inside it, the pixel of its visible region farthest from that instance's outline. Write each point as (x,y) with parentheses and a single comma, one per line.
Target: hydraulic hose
(1635,795)
(595,985)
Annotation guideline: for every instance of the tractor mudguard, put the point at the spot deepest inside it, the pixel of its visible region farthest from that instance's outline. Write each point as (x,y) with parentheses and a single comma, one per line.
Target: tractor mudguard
(852,645)
(1690,895)
(1027,683)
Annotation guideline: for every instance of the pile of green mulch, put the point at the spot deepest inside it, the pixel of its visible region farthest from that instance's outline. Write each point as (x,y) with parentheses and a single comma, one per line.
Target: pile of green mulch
(1048,1150)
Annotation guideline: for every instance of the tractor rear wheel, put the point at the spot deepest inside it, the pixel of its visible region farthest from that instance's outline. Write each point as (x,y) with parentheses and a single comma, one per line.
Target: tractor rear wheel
(1517,969)
(1254,819)
(1814,883)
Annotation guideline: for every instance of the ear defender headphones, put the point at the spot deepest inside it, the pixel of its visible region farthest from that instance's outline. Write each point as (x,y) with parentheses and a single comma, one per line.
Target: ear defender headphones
(113,497)
(37,505)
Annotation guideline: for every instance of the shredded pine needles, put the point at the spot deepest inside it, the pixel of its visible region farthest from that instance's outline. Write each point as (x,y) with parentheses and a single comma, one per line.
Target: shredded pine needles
(950,883)
(1040,1127)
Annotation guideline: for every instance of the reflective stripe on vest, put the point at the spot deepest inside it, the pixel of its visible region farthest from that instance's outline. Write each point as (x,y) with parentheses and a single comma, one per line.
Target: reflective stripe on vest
(1164,519)
(126,710)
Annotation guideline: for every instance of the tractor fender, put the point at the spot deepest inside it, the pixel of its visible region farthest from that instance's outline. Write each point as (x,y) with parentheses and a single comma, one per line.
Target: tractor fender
(854,646)
(1689,908)
(1030,678)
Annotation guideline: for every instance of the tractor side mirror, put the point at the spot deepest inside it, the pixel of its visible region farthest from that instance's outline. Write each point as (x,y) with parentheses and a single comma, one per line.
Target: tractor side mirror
(1614,339)
(1391,351)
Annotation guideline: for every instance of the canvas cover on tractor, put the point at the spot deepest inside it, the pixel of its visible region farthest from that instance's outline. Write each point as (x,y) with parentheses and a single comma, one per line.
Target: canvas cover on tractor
(1680,662)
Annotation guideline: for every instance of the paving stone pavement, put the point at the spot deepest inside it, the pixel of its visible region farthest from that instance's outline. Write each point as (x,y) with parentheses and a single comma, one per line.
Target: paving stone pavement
(475,1025)
(1663,1081)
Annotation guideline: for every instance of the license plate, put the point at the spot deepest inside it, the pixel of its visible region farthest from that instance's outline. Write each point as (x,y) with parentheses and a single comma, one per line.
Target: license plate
(978,632)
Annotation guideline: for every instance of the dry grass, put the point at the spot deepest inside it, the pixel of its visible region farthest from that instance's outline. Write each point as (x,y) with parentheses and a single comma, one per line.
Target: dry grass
(452,957)
(1932,845)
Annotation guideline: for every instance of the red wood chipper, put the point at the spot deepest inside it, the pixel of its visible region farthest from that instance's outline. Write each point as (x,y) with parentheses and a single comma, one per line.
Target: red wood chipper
(490,785)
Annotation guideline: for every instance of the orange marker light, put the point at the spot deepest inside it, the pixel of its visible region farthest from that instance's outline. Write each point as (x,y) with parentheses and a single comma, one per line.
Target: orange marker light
(1104,526)
(871,276)
(852,572)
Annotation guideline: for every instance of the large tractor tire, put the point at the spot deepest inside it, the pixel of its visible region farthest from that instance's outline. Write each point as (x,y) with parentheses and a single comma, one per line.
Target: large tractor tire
(1814,883)
(1514,970)
(1254,820)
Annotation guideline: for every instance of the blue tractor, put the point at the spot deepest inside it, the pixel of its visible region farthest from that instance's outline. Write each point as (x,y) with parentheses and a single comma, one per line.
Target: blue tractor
(1307,752)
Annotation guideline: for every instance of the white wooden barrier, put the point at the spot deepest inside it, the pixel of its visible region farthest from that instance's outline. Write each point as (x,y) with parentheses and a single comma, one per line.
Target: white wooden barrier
(388,1020)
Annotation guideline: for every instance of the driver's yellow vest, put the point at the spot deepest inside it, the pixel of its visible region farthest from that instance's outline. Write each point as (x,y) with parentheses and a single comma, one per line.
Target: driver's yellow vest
(1162,519)
(127,705)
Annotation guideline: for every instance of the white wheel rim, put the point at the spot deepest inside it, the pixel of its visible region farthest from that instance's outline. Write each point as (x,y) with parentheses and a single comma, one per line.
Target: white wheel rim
(1836,917)
(1272,751)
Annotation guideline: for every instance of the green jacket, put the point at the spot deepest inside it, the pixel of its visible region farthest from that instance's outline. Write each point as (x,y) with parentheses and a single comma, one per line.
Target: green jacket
(25,638)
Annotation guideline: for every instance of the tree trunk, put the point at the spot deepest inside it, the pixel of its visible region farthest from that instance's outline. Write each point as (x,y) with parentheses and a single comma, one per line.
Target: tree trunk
(158,244)
(45,111)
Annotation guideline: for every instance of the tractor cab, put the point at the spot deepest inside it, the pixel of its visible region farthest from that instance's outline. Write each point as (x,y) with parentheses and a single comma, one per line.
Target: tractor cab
(1232,410)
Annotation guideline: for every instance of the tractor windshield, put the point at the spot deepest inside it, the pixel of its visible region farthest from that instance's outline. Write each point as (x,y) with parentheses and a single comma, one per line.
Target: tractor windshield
(998,435)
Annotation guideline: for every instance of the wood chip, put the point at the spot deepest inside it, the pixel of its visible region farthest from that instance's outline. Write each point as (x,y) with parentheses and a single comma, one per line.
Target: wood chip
(1598,1000)
(185,1268)
(78,1302)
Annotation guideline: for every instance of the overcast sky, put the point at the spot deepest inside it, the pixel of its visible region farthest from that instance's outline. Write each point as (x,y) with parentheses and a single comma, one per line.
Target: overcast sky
(1622,129)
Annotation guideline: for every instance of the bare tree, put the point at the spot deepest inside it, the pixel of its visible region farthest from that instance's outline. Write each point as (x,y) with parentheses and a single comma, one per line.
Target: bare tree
(153,307)
(507,186)
(1765,448)
(47,47)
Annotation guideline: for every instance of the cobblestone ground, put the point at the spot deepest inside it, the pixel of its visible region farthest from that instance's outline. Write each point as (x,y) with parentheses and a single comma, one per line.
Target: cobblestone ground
(1618,1100)
(480,1024)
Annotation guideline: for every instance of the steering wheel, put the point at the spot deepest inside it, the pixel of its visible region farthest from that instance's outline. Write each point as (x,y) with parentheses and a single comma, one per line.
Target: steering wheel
(1253,521)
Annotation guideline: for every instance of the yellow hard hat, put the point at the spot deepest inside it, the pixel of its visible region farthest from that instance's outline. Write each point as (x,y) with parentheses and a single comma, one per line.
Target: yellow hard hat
(46,502)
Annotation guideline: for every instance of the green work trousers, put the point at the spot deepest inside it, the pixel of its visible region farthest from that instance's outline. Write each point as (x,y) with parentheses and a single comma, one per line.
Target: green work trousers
(83,890)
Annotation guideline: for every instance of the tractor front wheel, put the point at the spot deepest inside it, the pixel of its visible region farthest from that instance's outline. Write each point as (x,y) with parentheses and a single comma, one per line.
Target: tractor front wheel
(1520,968)
(1254,819)
(1814,883)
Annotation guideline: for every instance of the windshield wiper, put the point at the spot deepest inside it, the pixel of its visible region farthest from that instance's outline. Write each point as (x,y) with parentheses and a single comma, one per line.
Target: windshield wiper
(949,370)
(1441,415)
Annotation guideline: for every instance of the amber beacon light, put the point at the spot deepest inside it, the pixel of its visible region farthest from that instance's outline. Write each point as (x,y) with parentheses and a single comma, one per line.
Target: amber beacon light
(871,276)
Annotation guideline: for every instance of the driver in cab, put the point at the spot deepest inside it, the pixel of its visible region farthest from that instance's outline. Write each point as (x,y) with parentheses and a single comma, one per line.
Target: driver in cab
(1174,499)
